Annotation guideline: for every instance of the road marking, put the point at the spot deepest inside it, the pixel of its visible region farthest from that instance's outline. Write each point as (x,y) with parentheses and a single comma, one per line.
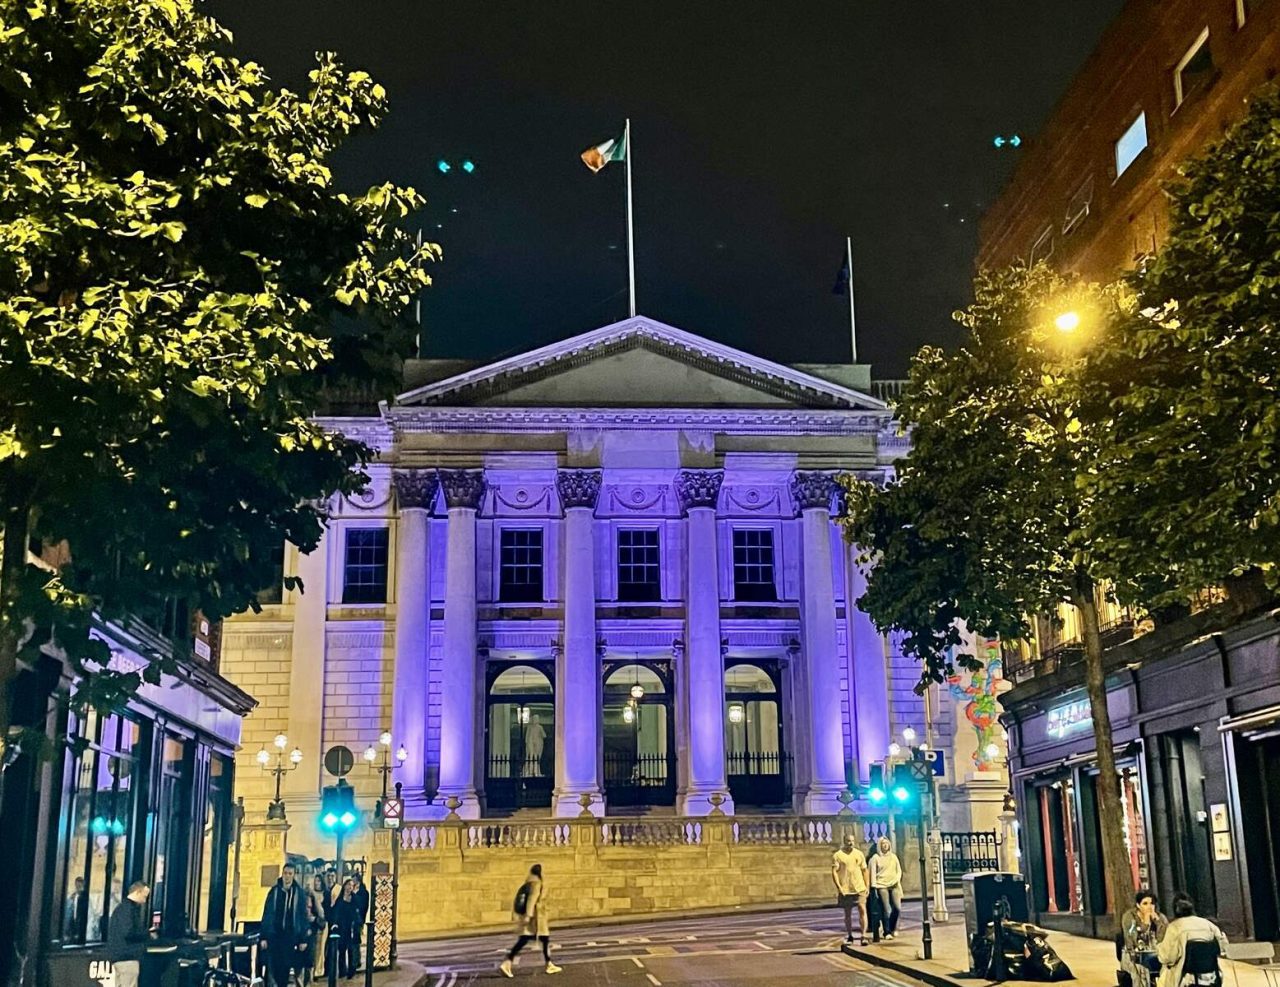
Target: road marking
(654,980)
(636,961)
(763,946)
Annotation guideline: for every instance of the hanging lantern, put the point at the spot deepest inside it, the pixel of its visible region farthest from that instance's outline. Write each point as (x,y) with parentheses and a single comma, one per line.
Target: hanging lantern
(736,713)
(637,692)
(628,714)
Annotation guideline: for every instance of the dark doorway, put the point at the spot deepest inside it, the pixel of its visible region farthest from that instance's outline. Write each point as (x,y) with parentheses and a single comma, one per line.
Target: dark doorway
(639,734)
(755,760)
(520,735)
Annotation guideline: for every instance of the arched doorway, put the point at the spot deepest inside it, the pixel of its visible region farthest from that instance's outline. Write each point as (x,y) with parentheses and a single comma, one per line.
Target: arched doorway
(755,760)
(520,735)
(639,734)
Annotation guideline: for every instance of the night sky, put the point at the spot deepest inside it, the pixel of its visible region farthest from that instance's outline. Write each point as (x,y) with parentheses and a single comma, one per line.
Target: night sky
(762,135)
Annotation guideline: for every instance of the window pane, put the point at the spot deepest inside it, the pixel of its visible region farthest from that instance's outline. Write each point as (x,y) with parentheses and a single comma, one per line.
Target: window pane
(639,569)
(213,846)
(1131,144)
(365,570)
(753,577)
(520,565)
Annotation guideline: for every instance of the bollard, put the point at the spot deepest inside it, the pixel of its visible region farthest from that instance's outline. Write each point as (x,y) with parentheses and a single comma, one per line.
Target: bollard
(331,957)
(368,954)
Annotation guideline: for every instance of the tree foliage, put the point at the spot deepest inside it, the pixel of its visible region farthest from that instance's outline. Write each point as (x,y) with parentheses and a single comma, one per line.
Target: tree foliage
(179,281)
(1188,471)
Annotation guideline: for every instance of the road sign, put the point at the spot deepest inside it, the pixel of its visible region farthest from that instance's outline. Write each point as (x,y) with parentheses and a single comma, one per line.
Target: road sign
(921,771)
(392,812)
(339,761)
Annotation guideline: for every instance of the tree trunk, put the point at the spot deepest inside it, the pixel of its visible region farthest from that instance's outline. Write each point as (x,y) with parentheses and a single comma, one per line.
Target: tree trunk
(1115,855)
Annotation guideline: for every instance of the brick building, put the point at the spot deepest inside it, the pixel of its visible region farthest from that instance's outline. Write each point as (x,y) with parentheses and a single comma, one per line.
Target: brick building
(1167,78)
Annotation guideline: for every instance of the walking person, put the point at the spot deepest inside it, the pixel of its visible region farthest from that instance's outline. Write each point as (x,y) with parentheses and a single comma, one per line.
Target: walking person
(1190,949)
(532,921)
(849,873)
(285,929)
(127,935)
(345,920)
(886,885)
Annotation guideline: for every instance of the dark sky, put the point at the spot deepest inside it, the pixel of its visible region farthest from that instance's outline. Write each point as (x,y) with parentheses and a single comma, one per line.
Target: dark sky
(762,134)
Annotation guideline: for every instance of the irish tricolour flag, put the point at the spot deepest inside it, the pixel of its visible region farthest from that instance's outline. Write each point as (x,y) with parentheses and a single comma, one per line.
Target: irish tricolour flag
(597,157)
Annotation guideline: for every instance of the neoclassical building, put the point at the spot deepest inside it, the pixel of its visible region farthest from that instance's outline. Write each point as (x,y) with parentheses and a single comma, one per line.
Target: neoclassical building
(601,574)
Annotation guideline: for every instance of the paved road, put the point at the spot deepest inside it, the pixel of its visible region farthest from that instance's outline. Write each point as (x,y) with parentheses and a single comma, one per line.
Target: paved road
(781,949)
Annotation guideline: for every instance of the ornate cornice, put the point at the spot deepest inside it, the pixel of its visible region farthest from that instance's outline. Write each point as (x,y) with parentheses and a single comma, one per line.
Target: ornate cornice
(415,489)
(812,490)
(462,488)
(753,421)
(699,488)
(578,488)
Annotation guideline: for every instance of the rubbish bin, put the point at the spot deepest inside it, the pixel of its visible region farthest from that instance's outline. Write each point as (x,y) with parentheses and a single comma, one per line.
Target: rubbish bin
(982,889)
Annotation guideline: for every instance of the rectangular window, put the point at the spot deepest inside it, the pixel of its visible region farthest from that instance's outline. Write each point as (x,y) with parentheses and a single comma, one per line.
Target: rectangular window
(1194,71)
(1131,143)
(520,579)
(364,573)
(273,592)
(1079,206)
(753,564)
(1042,249)
(639,569)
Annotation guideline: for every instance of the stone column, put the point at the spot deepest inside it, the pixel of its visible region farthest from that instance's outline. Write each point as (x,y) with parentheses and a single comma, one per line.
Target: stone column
(869,682)
(463,491)
(415,495)
(813,493)
(703,676)
(306,672)
(578,686)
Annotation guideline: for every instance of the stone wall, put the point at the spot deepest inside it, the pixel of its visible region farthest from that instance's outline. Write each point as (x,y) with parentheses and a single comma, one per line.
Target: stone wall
(462,877)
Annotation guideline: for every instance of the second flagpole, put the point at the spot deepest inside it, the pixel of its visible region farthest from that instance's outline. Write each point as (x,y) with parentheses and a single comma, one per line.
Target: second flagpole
(631,232)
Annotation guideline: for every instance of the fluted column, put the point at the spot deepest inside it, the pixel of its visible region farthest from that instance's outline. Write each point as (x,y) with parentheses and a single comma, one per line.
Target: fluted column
(578,686)
(463,491)
(813,493)
(703,676)
(869,680)
(415,495)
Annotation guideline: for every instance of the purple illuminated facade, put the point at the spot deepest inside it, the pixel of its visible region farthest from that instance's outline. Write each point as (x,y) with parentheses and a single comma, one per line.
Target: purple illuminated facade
(605,575)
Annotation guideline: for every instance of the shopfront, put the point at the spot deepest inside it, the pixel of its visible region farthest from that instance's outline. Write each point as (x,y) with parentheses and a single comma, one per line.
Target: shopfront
(140,794)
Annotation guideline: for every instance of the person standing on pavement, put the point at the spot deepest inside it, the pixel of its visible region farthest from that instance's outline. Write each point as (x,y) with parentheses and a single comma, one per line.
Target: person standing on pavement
(360,894)
(345,918)
(316,914)
(532,921)
(849,873)
(127,935)
(886,885)
(285,929)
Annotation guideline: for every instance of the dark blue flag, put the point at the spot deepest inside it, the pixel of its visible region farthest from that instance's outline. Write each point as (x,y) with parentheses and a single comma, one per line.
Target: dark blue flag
(842,279)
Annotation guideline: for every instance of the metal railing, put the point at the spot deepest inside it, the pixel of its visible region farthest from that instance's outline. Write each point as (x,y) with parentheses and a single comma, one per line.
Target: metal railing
(965,852)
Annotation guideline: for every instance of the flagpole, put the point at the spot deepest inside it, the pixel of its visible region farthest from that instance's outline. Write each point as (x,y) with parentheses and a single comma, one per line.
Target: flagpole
(853,323)
(631,233)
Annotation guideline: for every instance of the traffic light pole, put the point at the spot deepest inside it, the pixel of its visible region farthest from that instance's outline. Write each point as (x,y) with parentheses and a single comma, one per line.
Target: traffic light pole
(926,939)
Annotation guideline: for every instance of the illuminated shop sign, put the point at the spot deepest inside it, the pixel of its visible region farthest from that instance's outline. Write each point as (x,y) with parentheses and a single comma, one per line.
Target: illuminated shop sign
(1066,719)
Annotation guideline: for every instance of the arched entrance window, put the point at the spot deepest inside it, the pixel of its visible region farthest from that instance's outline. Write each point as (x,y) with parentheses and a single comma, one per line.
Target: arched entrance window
(520,735)
(756,763)
(639,734)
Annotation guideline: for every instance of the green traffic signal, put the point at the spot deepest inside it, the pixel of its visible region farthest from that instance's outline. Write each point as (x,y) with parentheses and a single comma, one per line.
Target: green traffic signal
(876,795)
(338,812)
(901,794)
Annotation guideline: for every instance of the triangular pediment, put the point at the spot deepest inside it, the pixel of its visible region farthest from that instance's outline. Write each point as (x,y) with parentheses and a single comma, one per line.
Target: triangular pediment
(638,363)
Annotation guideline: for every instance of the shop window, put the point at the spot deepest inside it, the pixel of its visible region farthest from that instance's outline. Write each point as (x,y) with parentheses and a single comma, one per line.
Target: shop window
(639,566)
(1131,143)
(364,577)
(520,574)
(1194,70)
(753,577)
(172,835)
(102,820)
(1060,846)
(215,837)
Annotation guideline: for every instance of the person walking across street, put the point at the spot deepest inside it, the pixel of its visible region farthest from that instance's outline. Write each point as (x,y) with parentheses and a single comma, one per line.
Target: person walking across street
(532,921)
(345,920)
(127,935)
(849,873)
(1190,949)
(886,885)
(286,929)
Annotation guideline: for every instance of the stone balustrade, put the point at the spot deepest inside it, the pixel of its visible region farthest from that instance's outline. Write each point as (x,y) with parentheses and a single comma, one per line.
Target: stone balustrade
(460,875)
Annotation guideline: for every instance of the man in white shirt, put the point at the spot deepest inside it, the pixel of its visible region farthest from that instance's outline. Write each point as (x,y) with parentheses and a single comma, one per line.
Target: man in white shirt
(849,873)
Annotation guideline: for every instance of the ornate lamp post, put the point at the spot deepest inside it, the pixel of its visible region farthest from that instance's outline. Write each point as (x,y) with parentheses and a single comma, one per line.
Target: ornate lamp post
(380,758)
(275,811)
(382,750)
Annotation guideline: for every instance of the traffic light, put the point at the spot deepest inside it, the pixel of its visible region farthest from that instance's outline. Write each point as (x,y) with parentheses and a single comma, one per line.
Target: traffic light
(904,790)
(875,788)
(338,812)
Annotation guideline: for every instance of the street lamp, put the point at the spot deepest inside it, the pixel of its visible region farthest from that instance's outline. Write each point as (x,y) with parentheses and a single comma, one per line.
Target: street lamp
(1068,321)
(383,750)
(275,811)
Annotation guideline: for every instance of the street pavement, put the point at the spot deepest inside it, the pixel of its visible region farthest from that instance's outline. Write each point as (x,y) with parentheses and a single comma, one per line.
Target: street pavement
(782,949)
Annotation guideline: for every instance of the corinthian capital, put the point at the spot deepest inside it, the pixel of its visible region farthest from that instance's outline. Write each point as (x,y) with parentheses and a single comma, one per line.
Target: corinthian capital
(462,488)
(415,489)
(578,488)
(812,490)
(699,488)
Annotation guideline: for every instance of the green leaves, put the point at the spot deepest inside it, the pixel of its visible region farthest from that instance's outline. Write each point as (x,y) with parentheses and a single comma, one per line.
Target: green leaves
(163,343)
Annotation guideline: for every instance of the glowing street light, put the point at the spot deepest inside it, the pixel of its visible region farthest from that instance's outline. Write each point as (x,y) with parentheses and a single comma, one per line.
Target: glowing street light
(276,809)
(1068,321)
(908,735)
